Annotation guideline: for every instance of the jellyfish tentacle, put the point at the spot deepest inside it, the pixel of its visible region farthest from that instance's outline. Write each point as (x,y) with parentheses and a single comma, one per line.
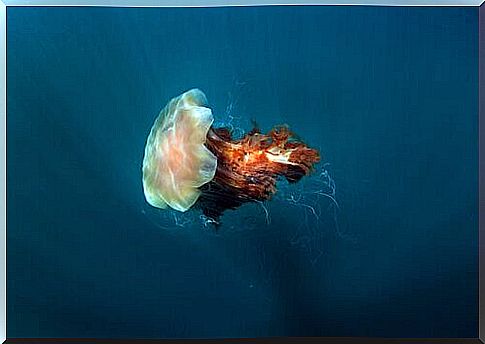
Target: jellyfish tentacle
(248,168)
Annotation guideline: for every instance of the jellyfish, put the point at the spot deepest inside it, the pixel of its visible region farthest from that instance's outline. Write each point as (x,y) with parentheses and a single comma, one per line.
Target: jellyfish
(189,164)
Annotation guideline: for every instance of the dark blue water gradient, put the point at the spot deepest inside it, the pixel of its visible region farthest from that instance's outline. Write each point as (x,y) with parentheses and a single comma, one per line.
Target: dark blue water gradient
(389,96)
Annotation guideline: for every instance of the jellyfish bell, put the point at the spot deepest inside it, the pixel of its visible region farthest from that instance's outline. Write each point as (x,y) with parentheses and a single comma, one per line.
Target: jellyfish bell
(176,162)
(188,163)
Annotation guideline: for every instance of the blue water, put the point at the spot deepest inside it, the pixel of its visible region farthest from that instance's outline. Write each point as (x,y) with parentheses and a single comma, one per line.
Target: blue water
(388,95)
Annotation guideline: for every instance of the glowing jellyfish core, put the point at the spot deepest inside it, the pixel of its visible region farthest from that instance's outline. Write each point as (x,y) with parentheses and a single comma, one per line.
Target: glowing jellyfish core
(176,161)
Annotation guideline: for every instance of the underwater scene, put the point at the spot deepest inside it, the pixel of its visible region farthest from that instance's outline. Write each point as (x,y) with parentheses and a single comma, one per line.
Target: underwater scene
(242,172)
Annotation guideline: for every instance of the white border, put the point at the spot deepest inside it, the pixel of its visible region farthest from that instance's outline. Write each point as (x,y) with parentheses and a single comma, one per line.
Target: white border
(230,3)
(132,3)
(3,172)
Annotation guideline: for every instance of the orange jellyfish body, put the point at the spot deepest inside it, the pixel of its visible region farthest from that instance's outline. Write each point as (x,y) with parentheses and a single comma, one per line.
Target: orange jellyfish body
(188,163)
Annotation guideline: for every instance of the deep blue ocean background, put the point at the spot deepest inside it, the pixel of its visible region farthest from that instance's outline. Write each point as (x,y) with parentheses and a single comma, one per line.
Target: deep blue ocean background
(389,95)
